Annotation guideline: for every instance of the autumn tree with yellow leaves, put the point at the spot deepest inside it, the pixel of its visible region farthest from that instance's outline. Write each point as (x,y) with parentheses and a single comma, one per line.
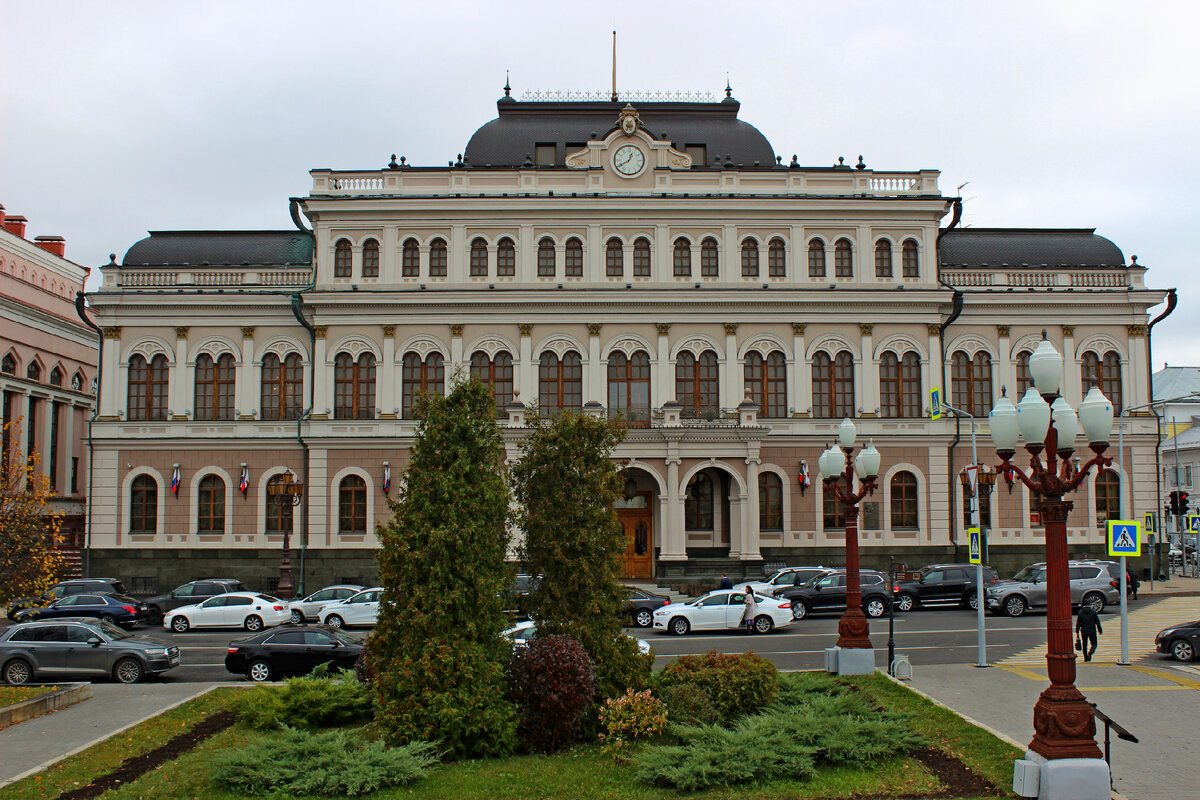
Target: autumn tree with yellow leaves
(30,563)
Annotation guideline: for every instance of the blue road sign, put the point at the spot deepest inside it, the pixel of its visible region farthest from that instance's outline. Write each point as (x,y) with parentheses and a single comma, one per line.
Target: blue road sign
(935,403)
(975,555)
(1124,538)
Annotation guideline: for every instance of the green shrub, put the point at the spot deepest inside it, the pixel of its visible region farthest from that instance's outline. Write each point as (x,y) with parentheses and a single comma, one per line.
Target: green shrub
(736,684)
(321,699)
(337,763)
(687,704)
(630,717)
(552,683)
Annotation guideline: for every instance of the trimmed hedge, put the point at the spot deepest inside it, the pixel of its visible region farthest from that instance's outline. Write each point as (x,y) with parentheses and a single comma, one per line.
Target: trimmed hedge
(319,700)
(736,684)
(552,682)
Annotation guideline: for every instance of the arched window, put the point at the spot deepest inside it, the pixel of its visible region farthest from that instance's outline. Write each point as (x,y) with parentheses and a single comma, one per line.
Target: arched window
(1024,379)
(985,508)
(573,262)
(560,383)
(437,258)
(147,397)
(498,374)
(479,258)
(354,386)
(698,504)
(883,259)
(904,501)
(1103,372)
(546,258)
(770,502)
(909,259)
(766,382)
(56,377)
(900,385)
(641,258)
(33,372)
(143,505)
(681,258)
(506,258)
(816,259)
(833,516)
(282,386)
(410,259)
(833,385)
(843,259)
(749,259)
(972,382)
(421,376)
(77,381)
(614,258)
(210,515)
(279,515)
(215,384)
(370,259)
(352,505)
(343,259)
(777,259)
(1108,495)
(709,261)
(697,385)
(629,388)
(8,365)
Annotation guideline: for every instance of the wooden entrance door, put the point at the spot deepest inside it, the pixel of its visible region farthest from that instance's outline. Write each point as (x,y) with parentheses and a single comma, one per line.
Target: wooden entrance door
(636,522)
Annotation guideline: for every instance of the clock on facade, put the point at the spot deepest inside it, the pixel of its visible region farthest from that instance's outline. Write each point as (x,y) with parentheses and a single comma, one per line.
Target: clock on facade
(629,160)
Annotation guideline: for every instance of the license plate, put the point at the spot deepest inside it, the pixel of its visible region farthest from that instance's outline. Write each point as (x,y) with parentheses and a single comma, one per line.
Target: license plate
(173,661)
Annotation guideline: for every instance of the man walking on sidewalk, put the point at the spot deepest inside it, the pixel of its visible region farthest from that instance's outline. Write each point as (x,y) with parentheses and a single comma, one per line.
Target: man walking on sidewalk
(1087,626)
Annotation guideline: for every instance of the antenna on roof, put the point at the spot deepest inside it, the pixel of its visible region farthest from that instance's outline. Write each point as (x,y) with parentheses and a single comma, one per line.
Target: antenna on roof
(507,88)
(728,88)
(614,77)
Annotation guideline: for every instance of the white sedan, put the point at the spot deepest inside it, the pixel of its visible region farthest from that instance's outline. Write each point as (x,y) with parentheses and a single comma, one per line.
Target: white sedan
(247,610)
(722,610)
(524,631)
(310,607)
(357,609)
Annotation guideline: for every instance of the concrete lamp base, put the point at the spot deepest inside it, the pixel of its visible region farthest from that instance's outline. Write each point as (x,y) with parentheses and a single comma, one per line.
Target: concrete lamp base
(1062,778)
(850,660)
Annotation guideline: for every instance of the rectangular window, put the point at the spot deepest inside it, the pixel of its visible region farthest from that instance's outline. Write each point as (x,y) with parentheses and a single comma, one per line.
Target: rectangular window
(1187,476)
(544,154)
(74,475)
(31,427)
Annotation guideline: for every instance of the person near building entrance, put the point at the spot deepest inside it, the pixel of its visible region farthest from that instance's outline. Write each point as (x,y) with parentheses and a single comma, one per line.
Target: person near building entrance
(725,582)
(1087,626)
(751,610)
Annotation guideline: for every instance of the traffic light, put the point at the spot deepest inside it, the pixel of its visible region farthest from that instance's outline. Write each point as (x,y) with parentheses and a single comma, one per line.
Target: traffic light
(1183,504)
(1174,504)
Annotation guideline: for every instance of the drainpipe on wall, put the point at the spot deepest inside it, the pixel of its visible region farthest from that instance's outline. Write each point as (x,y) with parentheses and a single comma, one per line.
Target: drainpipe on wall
(1172,299)
(297,304)
(955,311)
(87,536)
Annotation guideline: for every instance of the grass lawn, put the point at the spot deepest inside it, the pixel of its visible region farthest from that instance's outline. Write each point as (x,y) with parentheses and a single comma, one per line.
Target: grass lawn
(16,694)
(582,773)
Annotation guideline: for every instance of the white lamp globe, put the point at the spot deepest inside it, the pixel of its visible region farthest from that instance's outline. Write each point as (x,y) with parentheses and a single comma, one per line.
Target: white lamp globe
(860,469)
(1066,423)
(1002,420)
(837,462)
(847,433)
(1045,367)
(826,463)
(1096,416)
(1033,417)
(870,459)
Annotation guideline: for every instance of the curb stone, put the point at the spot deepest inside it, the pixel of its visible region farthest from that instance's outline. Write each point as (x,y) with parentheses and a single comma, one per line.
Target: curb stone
(69,695)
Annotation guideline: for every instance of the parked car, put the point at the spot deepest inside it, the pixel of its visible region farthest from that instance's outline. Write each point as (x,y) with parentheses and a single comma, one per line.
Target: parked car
(46,649)
(108,607)
(310,607)
(641,605)
(1181,641)
(940,585)
(521,633)
(722,610)
(282,652)
(828,593)
(190,594)
(247,610)
(516,599)
(786,578)
(1091,584)
(66,588)
(357,609)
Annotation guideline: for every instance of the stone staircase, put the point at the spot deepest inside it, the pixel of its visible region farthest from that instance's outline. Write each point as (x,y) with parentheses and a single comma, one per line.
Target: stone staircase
(650,586)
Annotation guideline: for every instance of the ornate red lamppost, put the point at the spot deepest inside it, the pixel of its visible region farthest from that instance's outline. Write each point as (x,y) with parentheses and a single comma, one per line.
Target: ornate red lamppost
(285,492)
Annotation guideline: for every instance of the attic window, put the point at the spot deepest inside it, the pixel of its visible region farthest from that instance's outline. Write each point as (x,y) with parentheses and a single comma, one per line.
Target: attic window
(698,152)
(544,154)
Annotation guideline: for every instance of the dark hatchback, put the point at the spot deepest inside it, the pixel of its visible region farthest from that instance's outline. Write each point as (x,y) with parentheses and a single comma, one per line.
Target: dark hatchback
(640,607)
(1181,641)
(115,608)
(828,593)
(280,652)
(942,585)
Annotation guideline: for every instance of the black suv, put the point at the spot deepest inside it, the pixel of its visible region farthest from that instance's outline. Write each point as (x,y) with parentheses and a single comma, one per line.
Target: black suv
(66,588)
(942,584)
(189,594)
(827,592)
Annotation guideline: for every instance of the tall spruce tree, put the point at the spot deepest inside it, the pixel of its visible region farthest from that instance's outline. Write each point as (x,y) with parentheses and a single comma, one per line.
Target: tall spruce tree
(565,485)
(437,657)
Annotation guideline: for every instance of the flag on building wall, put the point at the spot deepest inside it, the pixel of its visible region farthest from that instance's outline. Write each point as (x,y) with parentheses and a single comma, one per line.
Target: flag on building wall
(244,483)
(805,481)
(387,478)
(175,481)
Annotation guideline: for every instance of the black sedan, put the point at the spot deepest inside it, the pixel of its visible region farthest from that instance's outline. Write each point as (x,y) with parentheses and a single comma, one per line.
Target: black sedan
(115,608)
(1181,641)
(641,605)
(280,652)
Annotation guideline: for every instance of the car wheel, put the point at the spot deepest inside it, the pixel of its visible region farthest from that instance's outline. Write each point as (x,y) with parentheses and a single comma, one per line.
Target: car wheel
(971,601)
(154,615)
(763,624)
(1095,600)
(874,608)
(1183,650)
(643,618)
(180,624)
(679,626)
(259,671)
(18,672)
(334,621)
(1014,606)
(799,610)
(253,623)
(128,670)
(905,602)
(297,618)
(109,618)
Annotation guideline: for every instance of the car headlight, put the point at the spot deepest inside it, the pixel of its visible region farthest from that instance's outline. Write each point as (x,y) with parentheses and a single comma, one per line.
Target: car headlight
(1164,634)
(161,651)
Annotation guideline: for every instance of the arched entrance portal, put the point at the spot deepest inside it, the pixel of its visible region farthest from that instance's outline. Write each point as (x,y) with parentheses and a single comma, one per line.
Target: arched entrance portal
(636,515)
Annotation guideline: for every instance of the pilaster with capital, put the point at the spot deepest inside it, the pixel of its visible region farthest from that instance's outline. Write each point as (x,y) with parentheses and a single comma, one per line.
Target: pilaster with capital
(115,376)
(664,389)
(388,375)
(934,367)
(1072,376)
(674,539)
(250,378)
(868,376)
(801,378)
(729,370)
(1004,365)
(1134,374)
(321,399)
(527,371)
(750,530)
(456,348)
(595,376)
(179,387)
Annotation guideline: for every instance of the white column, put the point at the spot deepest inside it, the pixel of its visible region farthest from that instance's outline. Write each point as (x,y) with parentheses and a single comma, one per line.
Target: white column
(737,514)
(731,269)
(322,406)
(674,540)
(457,358)
(730,369)
(1133,375)
(750,532)
(932,374)
(66,448)
(249,377)
(389,260)
(526,256)
(178,398)
(1005,373)
(456,269)
(526,371)
(802,373)
(387,375)
(1072,379)
(868,399)
(664,388)
(593,258)
(47,436)
(114,376)
(595,374)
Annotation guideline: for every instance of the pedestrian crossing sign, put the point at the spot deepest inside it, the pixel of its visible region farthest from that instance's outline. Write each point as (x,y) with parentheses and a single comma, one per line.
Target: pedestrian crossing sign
(1124,538)
(1193,523)
(975,549)
(935,403)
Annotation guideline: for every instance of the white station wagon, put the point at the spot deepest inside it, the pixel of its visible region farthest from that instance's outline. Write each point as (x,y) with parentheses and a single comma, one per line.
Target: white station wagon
(247,610)
(357,609)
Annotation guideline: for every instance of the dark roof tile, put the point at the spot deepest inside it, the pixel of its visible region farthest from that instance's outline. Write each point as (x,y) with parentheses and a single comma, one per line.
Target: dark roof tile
(1027,247)
(221,249)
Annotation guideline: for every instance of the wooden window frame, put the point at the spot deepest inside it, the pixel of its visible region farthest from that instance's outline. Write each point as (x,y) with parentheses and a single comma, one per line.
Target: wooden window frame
(495,372)
(681,258)
(641,257)
(883,258)
(843,259)
(152,379)
(215,387)
(910,259)
(710,258)
(439,257)
(698,384)
(573,258)
(770,502)
(777,258)
(352,505)
(614,258)
(547,258)
(210,504)
(370,259)
(343,259)
(354,386)
(625,373)
(903,498)
(749,258)
(410,259)
(816,259)
(560,383)
(282,390)
(506,258)
(143,505)
(420,375)
(479,258)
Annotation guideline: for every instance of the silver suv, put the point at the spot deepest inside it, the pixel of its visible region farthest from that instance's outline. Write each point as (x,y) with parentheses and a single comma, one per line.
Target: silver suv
(1091,585)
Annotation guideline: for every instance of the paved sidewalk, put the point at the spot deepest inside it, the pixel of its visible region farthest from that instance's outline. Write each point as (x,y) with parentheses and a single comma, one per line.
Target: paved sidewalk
(1178,585)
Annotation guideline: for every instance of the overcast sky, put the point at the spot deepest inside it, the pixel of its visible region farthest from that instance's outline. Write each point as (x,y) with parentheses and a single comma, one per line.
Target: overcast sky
(122,117)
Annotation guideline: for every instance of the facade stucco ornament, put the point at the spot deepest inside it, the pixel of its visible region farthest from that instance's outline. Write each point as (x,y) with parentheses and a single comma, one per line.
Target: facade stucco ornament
(181,332)
(218,346)
(112,332)
(696,345)
(247,331)
(798,328)
(491,345)
(865,328)
(1068,330)
(629,121)
(933,330)
(627,345)
(663,328)
(389,330)
(1002,330)
(356,346)
(731,329)
(1136,331)
(525,328)
(560,346)
(593,329)
(319,331)
(456,330)
(422,346)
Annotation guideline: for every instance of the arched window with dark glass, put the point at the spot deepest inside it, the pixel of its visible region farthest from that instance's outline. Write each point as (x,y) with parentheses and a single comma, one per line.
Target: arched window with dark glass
(629,388)
(438,258)
(370,257)
(506,258)
(641,258)
(147,394)
(1103,372)
(8,365)
(143,505)
(843,259)
(833,515)
(573,260)
(910,262)
(833,385)
(417,376)
(279,515)
(56,377)
(496,372)
(816,259)
(343,259)
(770,502)
(972,382)
(709,258)
(681,258)
(354,386)
(210,498)
(985,507)
(777,258)
(352,505)
(1024,379)
(282,386)
(560,383)
(546,258)
(215,384)
(749,258)
(698,504)
(614,258)
(479,258)
(766,382)
(697,384)
(410,259)
(1108,495)
(904,501)
(883,259)
(900,385)
(33,372)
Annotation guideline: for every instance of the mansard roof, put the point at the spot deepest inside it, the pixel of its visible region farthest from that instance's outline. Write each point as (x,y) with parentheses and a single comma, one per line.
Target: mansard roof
(221,248)
(1027,247)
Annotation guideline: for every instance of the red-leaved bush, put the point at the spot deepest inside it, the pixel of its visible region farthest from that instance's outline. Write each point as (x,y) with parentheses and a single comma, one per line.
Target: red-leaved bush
(552,682)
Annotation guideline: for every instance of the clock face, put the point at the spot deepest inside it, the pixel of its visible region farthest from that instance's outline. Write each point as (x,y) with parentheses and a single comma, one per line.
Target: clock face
(629,160)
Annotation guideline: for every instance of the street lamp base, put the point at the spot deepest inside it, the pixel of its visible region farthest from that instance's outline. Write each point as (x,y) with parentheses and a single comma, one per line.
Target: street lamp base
(1064,725)
(853,630)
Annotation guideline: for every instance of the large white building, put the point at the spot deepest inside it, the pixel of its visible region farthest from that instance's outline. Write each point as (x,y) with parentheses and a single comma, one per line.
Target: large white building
(648,258)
